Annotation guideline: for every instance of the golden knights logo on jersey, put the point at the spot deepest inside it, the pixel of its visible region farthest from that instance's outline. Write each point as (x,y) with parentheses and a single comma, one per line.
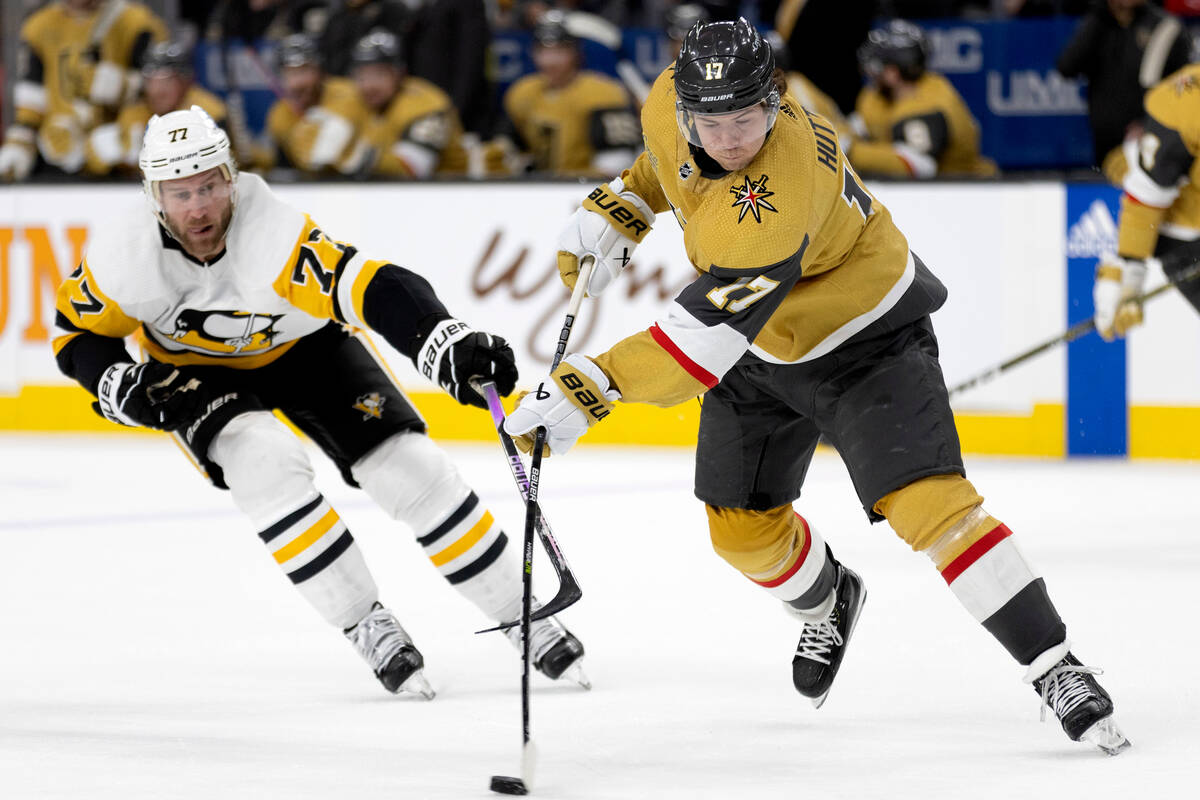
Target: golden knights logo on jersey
(371,405)
(232,332)
(752,196)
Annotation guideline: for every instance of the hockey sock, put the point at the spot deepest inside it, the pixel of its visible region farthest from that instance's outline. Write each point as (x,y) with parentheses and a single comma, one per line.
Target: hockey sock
(412,479)
(780,551)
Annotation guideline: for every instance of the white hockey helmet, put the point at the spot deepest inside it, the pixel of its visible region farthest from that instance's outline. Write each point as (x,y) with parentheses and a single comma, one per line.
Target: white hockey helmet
(181,144)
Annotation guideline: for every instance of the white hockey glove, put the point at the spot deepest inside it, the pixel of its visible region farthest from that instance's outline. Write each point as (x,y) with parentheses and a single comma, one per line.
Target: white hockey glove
(150,394)
(608,226)
(1118,282)
(453,356)
(576,396)
(18,154)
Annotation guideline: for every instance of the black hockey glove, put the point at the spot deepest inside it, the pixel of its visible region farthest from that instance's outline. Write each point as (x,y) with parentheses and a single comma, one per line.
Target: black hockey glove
(151,394)
(453,356)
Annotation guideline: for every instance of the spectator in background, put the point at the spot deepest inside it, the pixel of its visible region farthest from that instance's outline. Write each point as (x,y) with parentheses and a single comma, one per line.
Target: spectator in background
(822,38)
(1123,47)
(447,44)
(166,86)
(413,130)
(679,20)
(807,93)
(569,120)
(78,62)
(913,122)
(350,21)
(315,126)
(251,20)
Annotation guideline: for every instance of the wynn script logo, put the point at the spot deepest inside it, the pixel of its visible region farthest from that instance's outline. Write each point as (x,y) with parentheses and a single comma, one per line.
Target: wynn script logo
(537,297)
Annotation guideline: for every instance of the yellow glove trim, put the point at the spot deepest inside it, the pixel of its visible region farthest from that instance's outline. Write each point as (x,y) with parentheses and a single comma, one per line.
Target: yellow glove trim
(620,213)
(583,393)
(1110,272)
(568,269)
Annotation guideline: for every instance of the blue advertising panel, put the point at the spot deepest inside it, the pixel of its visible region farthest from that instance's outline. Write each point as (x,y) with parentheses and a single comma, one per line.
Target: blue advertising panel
(1097,420)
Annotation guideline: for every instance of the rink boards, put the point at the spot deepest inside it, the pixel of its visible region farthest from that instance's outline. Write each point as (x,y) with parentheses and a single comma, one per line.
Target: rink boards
(1016,257)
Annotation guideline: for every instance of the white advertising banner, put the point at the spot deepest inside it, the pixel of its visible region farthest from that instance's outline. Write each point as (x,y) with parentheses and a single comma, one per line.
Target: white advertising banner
(489,252)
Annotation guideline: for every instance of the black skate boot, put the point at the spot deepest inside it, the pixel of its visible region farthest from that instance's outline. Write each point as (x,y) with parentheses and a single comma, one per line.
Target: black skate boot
(1081,704)
(554,650)
(822,644)
(389,650)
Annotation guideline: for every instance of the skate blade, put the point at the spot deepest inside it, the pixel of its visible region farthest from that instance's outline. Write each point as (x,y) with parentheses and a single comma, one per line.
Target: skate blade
(416,684)
(1105,735)
(575,673)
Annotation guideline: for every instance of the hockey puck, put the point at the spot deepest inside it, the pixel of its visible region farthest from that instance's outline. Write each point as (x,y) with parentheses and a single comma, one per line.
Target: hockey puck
(502,784)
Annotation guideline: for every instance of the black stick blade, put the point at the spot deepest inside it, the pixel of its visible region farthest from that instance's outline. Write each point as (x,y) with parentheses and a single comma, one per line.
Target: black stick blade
(502,784)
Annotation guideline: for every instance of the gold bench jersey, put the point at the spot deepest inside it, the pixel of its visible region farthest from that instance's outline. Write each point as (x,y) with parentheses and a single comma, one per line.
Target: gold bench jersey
(812,98)
(74,70)
(324,137)
(929,133)
(118,143)
(279,279)
(418,134)
(1162,180)
(564,129)
(794,257)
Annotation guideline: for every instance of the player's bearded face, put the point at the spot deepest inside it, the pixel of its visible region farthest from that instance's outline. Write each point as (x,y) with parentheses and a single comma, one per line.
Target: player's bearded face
(198,211)
(733,139)
(164,91)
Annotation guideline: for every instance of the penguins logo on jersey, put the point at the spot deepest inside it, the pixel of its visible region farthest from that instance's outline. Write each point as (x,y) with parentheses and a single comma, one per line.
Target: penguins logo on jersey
(371,405)
(225,332)
(752,196)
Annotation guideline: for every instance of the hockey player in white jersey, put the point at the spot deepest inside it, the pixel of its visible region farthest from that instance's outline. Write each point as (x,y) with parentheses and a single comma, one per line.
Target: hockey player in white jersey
(244,306)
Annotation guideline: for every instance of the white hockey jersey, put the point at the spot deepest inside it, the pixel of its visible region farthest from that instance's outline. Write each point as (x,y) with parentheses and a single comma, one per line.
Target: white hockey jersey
(279,279)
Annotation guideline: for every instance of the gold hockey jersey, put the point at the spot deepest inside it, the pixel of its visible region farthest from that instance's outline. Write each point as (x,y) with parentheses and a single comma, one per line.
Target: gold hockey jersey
(812,98)
(418,134)
(588,127)
(279,279)
(1162,181)
(325,137)
(116,145)
(929,133)
(75,69)
(794,256)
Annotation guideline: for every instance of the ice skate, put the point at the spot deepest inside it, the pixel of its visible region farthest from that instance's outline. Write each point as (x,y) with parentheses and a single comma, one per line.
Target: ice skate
(390,652)
(1082,706)
(822,644)
(554,650)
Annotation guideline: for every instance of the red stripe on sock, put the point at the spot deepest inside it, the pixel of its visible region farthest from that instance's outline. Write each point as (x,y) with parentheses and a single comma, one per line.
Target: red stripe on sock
(973,553)
(691,367)
(771,584)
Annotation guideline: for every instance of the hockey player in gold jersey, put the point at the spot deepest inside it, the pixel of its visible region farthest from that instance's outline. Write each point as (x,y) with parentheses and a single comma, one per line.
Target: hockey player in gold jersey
(413,130)
(1160,210)
(244,306)
(167,85)
(808,315)
(913,122)
(78,62)
(569,120)
(316,125)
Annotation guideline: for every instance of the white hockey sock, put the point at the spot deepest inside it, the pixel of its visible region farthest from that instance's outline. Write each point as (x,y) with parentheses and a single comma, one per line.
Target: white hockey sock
(413,481)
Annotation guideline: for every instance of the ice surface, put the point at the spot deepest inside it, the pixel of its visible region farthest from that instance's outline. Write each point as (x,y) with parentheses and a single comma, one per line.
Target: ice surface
(151,647)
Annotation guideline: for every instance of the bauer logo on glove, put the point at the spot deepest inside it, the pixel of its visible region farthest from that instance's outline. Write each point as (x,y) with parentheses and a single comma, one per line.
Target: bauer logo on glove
(576,396)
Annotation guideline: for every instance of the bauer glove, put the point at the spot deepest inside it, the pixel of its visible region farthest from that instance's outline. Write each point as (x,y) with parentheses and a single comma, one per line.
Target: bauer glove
(576,396)
(1118,285)
(453,356)
(150,394)
(609,225)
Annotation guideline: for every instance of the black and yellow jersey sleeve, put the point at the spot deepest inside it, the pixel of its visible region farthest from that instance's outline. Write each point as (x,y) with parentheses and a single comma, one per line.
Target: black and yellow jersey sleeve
(1162,179)
(329,279)
(418,134)
(90,329)
(929,132)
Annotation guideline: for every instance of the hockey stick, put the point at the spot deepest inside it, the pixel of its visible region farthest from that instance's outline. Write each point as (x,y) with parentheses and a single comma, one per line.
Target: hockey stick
(504,784)
(569,592)
(1076,331)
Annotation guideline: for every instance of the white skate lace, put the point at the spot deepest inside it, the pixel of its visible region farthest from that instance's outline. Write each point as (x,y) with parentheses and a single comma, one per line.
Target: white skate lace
(817,640)
(378,637)
(1064,688)
(543,635)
